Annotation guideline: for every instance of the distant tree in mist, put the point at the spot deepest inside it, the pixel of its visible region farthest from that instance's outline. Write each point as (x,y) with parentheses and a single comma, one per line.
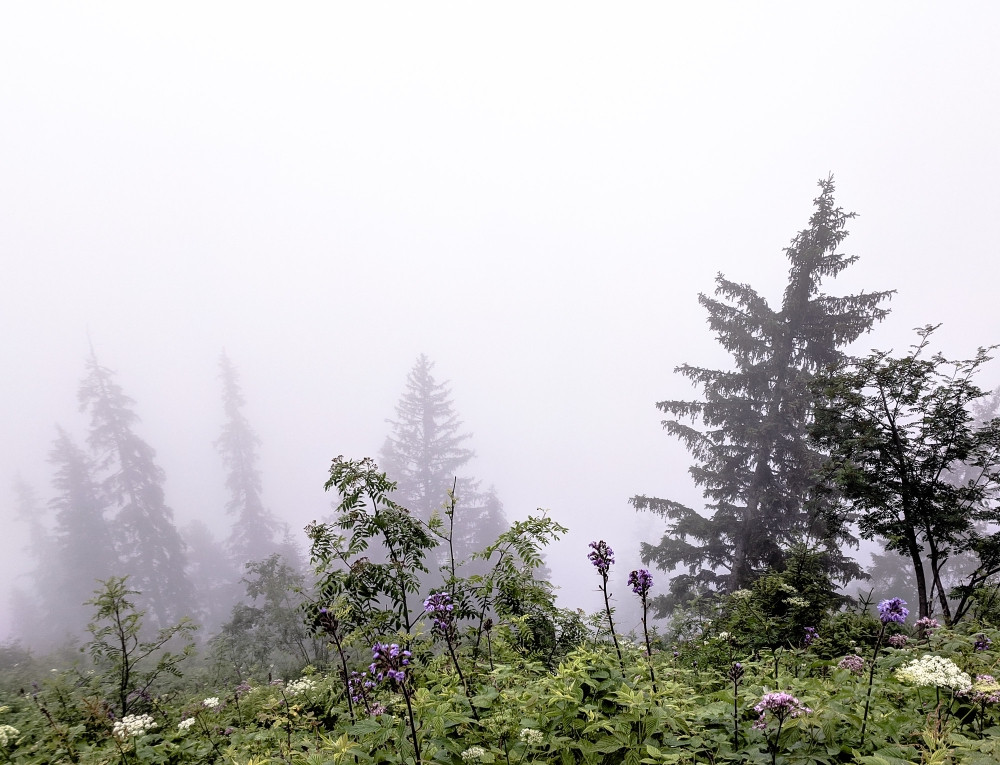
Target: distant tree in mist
(424,454)
(150,548)
(30,606)
(217,576)
(255,530)
(84,550)
(753,457)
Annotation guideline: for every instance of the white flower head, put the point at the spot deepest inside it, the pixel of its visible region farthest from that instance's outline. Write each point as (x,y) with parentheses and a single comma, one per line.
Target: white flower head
(301,685)
(935,671)
(532,737)
(133,725)
(8,733)
(212,702)
(183,725)
(473,754)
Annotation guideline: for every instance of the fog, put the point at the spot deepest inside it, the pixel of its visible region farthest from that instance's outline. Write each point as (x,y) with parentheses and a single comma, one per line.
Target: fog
(532,195)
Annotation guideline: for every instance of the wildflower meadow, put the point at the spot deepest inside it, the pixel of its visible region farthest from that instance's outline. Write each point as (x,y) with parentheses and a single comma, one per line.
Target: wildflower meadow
(424,666)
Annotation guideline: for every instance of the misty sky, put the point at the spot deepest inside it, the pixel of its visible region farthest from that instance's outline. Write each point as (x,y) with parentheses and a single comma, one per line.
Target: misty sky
(532,194)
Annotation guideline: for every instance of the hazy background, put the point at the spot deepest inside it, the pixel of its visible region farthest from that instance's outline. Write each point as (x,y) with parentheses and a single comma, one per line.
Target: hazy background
(531,194)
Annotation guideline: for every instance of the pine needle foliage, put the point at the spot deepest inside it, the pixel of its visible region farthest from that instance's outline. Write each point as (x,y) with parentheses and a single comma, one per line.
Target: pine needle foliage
(752,456)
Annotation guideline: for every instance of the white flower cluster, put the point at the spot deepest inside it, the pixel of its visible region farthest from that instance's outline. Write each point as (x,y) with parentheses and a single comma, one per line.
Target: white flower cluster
(301,685)
(935,671)
(183,725)
(532,737)
(8,733)
(212,702)
(133,725)
(741,595)
(473,754)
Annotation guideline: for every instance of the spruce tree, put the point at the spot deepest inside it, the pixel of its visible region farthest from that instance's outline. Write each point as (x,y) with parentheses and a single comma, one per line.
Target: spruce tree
(150,548)
(424,455)
(753,459)
(84,548)
(254,532)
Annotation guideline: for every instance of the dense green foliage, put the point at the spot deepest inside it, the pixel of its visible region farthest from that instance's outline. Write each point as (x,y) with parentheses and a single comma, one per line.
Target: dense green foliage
(510,678)
(921,472)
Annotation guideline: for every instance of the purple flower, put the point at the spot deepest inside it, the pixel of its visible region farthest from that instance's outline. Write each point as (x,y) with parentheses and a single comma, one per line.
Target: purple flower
(641,581)
(897,641)
(811,634)
(893,611)
(927,625)
(358,684)
(781,706)
(983,643)
(441,606)
(601,556)
(389,662)
(736,672)
(853,664)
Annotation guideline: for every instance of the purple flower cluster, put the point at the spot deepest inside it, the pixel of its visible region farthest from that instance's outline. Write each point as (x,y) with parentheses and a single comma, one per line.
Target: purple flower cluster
(926,625)
(809,638)
(641,582)
(893,611)
(601,556)
(897,641)
(439,604)
(983,643)
(358,684)
(389,662)
(853,664)
(781,706)
(736,672)
(985,690)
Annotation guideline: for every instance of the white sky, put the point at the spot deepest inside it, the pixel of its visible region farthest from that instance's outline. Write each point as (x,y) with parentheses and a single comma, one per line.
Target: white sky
(532,194)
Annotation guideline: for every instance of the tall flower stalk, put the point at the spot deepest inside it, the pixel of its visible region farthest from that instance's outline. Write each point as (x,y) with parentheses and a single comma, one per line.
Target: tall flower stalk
(390,664)
(892,611)
(736,672)
(602,556)
(641,581)
(439,605)
(780,706)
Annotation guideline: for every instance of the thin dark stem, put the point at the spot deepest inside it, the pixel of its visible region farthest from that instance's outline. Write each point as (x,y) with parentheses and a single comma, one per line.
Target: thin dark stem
(413,725)
(649,648)
(611,621)
(458,669)
(736,714)
(871,680)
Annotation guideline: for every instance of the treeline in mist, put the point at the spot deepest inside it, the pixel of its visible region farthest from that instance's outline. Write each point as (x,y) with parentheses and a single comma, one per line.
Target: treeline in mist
(107,517)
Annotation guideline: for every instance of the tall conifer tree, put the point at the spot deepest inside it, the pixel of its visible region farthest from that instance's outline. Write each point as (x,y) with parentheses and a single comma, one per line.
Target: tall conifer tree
(753,458)
(84,548)
(425,453)
(255,530)
(150,548)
